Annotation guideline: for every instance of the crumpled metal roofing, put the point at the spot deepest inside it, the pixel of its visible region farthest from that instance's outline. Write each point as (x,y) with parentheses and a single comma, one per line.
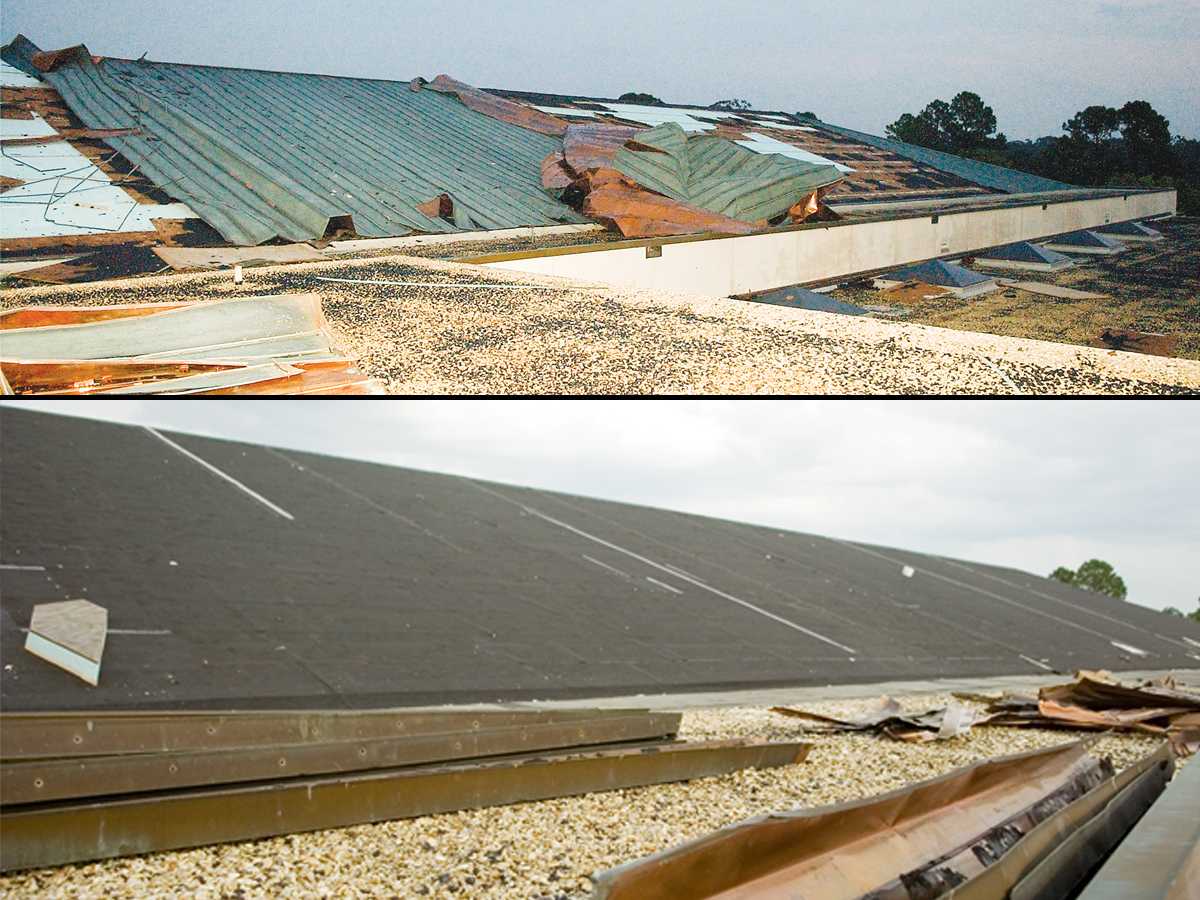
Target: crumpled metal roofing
(262,155)
(1009,181)
(718,175)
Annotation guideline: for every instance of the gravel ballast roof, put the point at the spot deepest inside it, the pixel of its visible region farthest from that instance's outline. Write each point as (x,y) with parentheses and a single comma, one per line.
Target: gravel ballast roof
(549,849)
(548,336)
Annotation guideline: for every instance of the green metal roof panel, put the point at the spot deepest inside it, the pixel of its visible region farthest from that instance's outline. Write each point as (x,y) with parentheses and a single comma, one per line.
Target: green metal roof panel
(999,178)
(260,155)
(718,175)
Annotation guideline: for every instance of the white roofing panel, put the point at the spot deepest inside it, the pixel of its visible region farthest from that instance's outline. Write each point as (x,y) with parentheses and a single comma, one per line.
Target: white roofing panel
(661,115)
(760,143)
(65,193)
(11,76)
(564,111)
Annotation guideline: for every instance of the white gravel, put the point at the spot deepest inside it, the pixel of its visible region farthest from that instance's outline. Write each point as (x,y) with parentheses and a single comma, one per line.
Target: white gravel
(549,849)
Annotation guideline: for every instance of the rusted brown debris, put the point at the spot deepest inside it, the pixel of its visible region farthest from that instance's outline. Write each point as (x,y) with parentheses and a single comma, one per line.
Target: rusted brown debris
(79,787)
(1138,342)
(498,108)
(975,833)
(1097,701)
(327,375)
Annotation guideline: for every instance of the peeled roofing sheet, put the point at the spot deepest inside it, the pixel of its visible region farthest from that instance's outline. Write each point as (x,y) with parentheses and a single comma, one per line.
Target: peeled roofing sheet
(1009,181)
(718,175)
(760,143)
(261,155)
(65,193)
(170,333)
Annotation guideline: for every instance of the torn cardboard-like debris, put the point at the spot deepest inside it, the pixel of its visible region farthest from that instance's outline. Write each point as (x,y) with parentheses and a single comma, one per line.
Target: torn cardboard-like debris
(953,720)
(69,635)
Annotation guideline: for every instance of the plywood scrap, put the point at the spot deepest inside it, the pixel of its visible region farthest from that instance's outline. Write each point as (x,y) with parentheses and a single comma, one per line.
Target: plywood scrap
(70,635)
(912,844)
(888,718)
(1150,343)
(914,292)
(190,258)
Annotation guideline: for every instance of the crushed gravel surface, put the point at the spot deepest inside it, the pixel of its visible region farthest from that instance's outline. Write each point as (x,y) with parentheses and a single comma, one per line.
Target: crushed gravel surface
(549,849)
(548,336)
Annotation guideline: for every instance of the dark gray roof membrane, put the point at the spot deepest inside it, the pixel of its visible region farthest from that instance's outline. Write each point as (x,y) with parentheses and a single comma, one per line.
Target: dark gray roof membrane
(1133,229)
(396,587)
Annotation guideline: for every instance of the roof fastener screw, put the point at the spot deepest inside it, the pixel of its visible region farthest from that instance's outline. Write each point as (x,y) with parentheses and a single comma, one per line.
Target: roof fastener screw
(38,783)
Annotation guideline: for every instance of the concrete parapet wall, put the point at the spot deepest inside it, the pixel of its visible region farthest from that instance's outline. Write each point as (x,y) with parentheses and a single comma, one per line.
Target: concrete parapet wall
(742,265)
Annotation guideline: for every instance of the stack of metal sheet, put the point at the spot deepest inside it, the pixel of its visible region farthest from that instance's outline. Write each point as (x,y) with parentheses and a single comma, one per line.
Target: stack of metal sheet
(85,786)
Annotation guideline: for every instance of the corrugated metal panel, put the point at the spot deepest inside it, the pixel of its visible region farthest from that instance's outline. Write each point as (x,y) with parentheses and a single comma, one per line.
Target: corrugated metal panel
(1008,180)
(260,155)
(718,175)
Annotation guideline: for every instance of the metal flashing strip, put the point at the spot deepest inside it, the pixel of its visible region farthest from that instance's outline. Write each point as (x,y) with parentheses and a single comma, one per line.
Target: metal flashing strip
(1160,859)
(76,777)
(910,843)
(81,734)
(61,833)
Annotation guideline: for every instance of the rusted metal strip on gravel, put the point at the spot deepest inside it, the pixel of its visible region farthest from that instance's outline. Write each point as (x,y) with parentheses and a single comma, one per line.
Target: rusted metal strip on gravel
(75,734)
(973,833)
(60,833)
(74,777)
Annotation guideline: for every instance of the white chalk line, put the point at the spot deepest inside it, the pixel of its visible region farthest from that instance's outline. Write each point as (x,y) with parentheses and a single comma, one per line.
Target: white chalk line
(661,584)
(237,484)
(11,567)
(602,565)
(700,584)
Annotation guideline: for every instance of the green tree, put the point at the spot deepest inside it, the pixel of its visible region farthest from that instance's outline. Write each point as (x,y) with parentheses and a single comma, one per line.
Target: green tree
(1096,576)
(965,125)
(642,99)
(732,105)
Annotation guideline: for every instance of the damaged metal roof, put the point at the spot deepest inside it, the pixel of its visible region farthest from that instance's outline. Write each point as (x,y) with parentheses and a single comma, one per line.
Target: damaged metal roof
(262,155)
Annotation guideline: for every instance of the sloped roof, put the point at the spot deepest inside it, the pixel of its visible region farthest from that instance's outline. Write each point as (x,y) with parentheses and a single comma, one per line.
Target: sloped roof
(1087,239)
(261,155)
(999,178)
(1130,229)
(939,273)
(800,298)
(1026,252)
(718,175)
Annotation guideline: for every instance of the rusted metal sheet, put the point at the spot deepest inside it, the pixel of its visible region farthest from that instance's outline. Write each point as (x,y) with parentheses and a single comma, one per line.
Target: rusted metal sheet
(258,345)
(1160,858)
(75,776)
(1097,701)
(639,213)
(56,834)
(917,842)
(498,108)
(59,735)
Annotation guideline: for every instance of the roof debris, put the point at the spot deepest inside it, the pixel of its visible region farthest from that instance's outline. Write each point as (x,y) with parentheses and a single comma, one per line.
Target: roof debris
(974,826)
(186,779)
(888,718)
(70,635)
(1097,701)
(265,345)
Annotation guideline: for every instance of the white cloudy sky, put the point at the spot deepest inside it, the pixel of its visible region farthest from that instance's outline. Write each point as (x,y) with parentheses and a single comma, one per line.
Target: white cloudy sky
(858,63)
(1028,484)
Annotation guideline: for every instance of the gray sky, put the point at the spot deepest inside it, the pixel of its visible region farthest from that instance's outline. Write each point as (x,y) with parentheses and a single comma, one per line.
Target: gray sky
(858,63)
(1028,484)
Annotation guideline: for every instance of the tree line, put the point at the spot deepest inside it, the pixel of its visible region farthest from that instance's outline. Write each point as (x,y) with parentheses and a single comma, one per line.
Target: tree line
(1101,146)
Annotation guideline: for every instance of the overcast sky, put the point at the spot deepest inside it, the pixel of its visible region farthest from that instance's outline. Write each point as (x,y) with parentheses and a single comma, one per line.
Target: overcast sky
(1033,485)
(858,63)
